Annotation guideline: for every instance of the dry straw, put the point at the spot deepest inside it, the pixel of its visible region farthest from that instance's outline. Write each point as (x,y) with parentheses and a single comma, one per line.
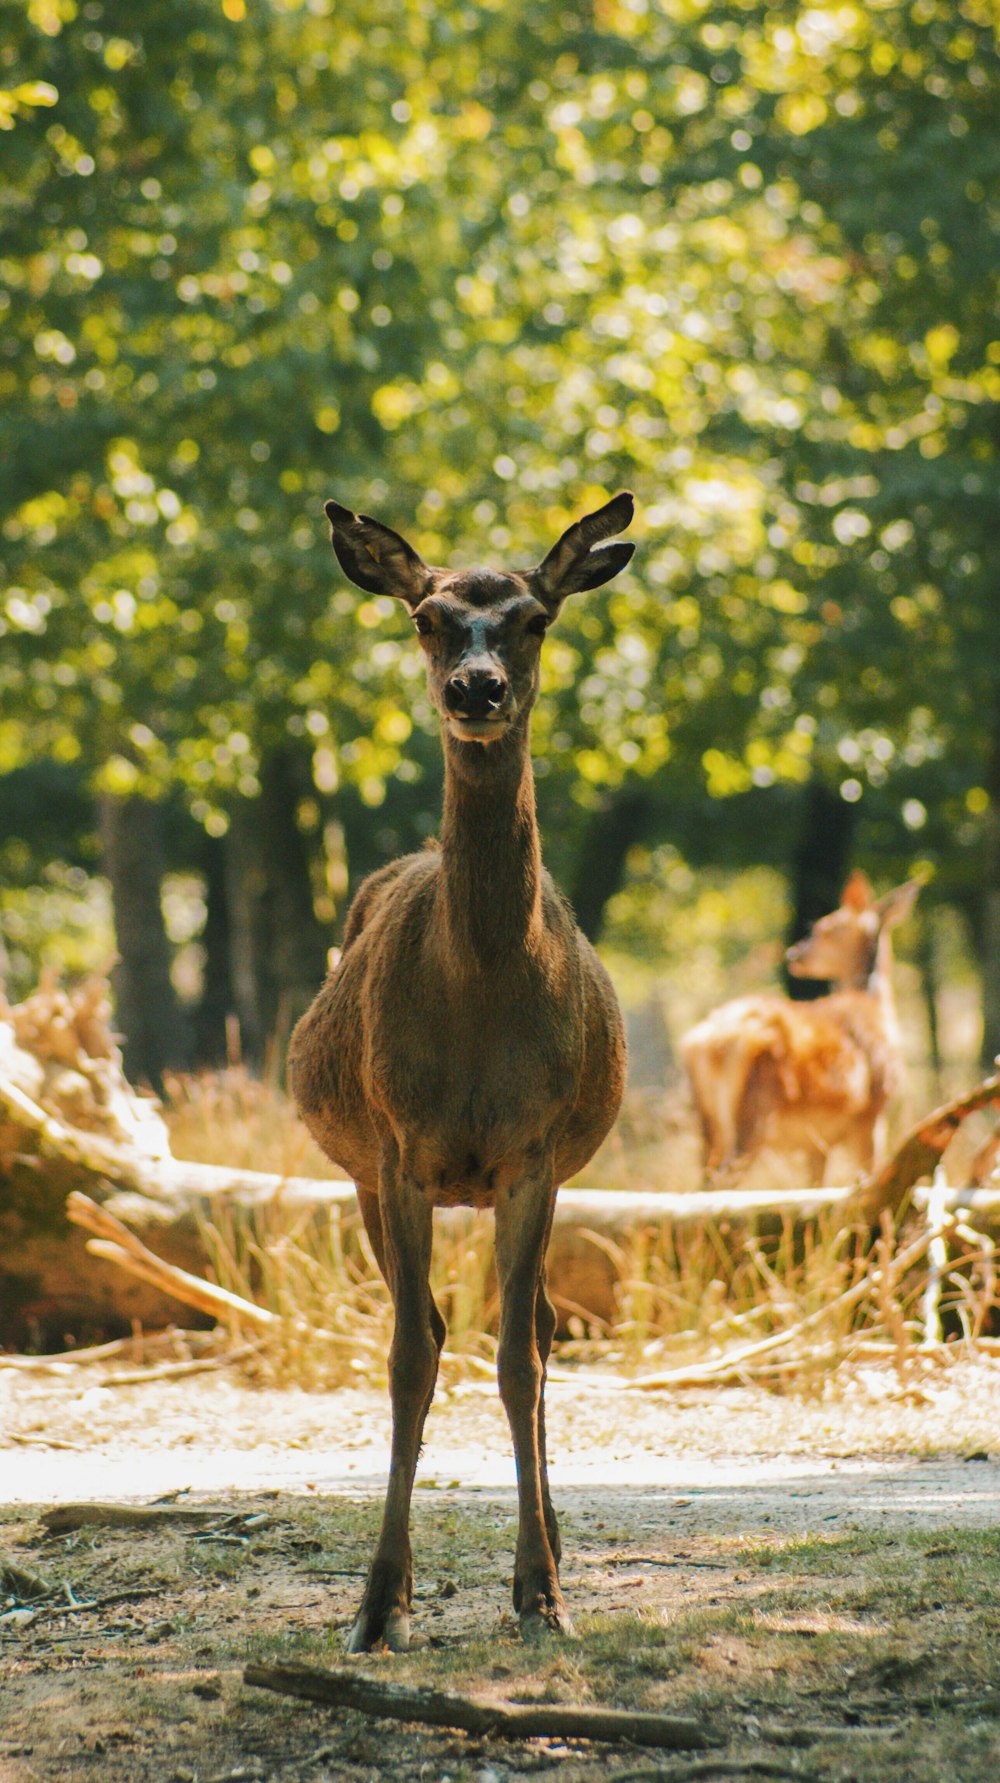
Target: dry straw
(694,1304)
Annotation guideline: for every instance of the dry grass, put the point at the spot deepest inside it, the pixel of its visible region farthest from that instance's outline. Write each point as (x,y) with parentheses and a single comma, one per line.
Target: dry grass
(654,1144)
(786,1305)
(321,1280)
(232,1117)
(697,1306)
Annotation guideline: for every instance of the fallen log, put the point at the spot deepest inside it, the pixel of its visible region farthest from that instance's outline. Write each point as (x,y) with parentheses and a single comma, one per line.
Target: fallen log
(346,1689)
(53,1285)
(592,1228)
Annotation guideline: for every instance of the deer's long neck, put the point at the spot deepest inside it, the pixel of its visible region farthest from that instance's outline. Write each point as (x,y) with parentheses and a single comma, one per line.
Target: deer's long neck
(490,848)
(880,983)
(871,985)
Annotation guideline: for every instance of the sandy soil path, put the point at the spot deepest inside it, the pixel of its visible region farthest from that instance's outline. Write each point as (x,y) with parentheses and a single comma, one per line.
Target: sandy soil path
(737,1460)
(869,1640)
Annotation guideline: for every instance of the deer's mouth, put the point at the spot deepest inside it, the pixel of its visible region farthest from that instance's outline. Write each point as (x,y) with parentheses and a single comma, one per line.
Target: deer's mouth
(478,730)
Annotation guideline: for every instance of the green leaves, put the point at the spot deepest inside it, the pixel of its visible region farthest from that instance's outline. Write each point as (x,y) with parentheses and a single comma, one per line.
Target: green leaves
(473,270)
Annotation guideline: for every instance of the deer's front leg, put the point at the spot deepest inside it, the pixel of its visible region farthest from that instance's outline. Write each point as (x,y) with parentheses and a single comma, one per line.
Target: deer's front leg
(398,1222)
(523,1219)
(545,1327)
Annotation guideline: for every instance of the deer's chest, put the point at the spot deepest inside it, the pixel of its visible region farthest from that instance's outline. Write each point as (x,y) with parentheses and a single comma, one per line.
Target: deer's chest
(475,1082)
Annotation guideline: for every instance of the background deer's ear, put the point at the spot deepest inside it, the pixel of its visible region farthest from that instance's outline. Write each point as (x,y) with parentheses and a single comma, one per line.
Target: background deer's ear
(896,905)
(857,893)
(579,560)
(375,557)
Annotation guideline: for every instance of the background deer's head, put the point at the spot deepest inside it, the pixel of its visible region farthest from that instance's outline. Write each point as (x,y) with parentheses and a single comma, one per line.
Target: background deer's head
(844,946)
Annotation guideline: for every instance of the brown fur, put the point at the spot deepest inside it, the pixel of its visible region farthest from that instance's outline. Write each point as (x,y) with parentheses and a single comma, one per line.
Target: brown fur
(767,1073)
(468,1047)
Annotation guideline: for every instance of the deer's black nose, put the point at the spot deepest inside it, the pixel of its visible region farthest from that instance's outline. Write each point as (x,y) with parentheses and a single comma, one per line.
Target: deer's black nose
(475,693)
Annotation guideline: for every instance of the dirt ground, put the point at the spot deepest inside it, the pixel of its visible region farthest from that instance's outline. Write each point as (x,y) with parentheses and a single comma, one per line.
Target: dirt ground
(816,1580)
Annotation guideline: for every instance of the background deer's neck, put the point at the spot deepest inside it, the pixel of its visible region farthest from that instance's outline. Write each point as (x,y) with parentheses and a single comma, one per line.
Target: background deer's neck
(490,847)
(872,981)
(880,979)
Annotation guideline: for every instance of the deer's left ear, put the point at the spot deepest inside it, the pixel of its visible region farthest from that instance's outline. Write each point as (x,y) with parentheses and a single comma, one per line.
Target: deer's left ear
(580,560)
(896,905)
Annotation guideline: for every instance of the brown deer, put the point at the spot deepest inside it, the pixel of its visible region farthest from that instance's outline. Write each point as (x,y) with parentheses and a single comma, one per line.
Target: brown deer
(468,1047)
(805,1077)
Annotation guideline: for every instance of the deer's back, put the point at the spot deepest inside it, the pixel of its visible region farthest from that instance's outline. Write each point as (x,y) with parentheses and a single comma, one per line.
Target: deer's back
(764,1068)
(473,1067)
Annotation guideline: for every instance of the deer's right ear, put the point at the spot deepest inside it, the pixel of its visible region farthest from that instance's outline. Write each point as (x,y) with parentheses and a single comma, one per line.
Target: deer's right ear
(857,894)
(376,558)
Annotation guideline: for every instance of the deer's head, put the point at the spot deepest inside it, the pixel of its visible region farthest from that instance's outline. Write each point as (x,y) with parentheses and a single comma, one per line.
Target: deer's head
(481,630)
(844,946)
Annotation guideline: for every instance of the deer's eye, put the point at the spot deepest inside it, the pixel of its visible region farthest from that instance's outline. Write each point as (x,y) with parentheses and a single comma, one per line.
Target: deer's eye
(424,628)
(538,626)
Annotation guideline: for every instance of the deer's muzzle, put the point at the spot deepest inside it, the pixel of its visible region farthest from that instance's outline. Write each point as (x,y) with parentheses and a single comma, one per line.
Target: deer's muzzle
(476,695)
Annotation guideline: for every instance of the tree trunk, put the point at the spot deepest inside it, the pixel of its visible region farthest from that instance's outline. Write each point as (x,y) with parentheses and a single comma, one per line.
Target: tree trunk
(147,1011)
(927,966)
(278,948)
(988,925)
(820,868)
(617,826)
(248,951)
(298,942)
(218,997)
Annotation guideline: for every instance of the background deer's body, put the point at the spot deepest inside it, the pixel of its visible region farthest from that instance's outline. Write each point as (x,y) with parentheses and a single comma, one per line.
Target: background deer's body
(770,1074)
(468,1048)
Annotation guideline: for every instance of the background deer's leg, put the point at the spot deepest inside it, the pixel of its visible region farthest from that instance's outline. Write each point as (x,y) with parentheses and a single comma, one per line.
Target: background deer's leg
(871,1141)
(817,1161)
(523,1217)
(398,1222)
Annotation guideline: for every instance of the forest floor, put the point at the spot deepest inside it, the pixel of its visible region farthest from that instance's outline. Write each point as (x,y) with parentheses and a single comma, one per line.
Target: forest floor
(815,1579)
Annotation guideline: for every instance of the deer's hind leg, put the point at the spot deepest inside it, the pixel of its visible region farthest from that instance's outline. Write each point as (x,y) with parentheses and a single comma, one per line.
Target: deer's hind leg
(399,1225)
(523,1219)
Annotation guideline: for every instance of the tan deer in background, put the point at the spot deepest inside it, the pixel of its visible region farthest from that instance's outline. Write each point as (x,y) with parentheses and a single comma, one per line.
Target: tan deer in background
(767,1073)
(468,1048)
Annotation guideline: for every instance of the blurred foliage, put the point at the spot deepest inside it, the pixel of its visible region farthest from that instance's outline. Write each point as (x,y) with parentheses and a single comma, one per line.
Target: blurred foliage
(475,267)
(62,922)
(716,922)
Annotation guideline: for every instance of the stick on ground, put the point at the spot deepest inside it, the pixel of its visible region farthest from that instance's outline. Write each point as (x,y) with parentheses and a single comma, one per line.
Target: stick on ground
(512,1721)
(117,1244)
(63,1518)
(766,1345)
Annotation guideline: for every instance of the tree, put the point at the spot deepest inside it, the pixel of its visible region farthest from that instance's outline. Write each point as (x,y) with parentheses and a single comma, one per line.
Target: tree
(476,268)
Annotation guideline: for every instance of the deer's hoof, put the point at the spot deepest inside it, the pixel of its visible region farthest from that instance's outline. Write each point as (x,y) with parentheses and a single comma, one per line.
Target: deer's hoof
(546,1620)
(396,1633)
(357,1641)
(372,1631)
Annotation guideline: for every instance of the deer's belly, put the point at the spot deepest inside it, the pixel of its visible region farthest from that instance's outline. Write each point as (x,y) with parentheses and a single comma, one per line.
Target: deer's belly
(476,1175)
(465,1136)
